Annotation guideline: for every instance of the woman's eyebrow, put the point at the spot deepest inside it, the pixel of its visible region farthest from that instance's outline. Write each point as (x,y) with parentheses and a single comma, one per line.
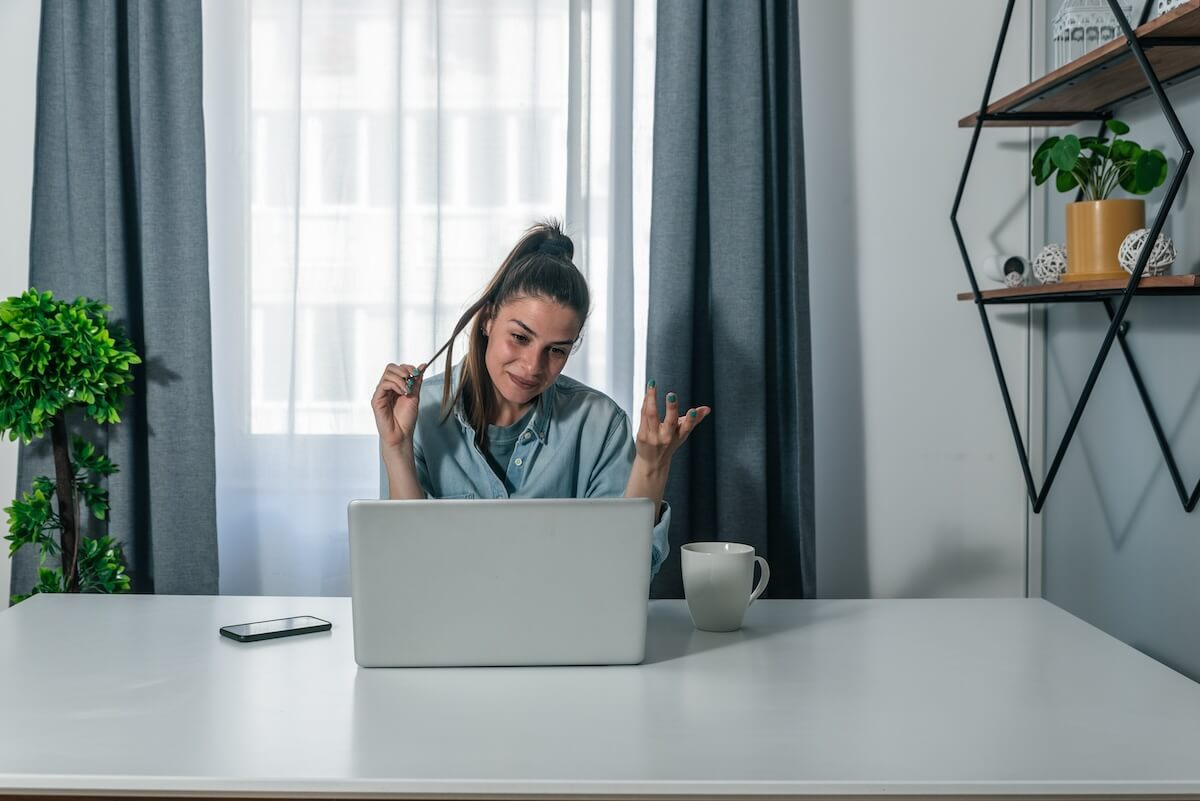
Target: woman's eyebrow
(533,334)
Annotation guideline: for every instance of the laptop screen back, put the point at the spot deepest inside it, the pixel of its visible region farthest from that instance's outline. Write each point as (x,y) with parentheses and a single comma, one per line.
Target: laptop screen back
(507,582)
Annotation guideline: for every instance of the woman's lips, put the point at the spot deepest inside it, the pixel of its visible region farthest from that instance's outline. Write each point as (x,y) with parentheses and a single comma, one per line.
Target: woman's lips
(522,383)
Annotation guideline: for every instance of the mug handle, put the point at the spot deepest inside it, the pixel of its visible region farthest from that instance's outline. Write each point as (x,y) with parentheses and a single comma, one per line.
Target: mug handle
(762,581)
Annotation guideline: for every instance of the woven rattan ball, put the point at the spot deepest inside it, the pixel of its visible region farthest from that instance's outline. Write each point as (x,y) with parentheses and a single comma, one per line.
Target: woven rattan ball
(1050,264)
(1161,257)
(1014,279)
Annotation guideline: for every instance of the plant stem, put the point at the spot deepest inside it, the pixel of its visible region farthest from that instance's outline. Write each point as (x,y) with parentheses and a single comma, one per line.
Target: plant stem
(68,505)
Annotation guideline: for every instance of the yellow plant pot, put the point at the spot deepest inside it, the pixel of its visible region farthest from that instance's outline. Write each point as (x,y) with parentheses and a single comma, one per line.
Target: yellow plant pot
(1095,231)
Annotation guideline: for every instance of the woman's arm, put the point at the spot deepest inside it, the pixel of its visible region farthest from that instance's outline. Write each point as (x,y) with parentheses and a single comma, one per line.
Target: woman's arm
(655,444)
(401,468)
(395,404)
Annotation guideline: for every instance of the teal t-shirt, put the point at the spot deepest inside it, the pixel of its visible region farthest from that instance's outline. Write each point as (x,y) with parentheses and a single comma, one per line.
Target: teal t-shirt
(501,442)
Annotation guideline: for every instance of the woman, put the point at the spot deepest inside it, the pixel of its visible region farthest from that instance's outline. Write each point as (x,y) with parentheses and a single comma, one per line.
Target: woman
(507,424)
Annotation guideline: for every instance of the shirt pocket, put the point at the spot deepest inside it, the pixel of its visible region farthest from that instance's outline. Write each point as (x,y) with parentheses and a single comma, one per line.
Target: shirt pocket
(462,496)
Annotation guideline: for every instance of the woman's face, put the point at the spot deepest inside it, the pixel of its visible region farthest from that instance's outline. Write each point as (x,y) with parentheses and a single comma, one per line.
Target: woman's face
(529,340)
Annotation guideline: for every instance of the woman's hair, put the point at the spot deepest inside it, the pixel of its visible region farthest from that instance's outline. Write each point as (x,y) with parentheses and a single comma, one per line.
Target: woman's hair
(540,266)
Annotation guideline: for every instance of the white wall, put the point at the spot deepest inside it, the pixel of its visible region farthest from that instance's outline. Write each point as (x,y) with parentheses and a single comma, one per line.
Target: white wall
(18,65)
(919,489)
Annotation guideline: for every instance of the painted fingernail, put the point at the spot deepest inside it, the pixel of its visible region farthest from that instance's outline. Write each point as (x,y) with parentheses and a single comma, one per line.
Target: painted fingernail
(692,413)
(650,383)
(671,397)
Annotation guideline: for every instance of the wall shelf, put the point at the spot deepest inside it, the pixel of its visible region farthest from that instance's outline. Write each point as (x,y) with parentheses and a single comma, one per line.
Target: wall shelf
(1083,291)
(1091,85)
(1164,50)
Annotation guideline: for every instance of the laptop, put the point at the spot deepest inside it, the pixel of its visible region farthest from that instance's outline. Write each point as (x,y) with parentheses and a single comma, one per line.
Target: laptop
(500,582)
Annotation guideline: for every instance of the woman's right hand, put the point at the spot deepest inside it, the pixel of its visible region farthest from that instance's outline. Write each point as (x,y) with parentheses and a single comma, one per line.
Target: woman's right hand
(395,403)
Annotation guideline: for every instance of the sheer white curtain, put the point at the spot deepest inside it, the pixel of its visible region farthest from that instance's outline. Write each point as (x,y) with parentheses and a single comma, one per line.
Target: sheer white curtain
(370,163)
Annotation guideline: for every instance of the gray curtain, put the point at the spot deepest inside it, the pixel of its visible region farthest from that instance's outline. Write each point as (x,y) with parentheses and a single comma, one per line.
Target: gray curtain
(729,318)
(119,215)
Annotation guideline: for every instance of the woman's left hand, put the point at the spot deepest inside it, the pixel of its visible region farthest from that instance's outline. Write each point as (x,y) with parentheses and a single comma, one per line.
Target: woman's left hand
(657,440)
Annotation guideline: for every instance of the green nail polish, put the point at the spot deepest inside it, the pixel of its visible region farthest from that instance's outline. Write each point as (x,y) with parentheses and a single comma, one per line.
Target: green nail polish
(650,383)
(692,413)
(671,397)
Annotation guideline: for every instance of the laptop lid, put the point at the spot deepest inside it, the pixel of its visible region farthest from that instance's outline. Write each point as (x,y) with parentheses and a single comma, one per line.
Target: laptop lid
(500,582)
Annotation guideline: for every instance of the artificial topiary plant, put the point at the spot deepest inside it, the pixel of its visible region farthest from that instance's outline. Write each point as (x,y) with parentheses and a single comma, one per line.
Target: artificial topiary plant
(56,355)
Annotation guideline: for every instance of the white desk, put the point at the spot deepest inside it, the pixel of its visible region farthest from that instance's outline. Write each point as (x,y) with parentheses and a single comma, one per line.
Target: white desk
(863,698)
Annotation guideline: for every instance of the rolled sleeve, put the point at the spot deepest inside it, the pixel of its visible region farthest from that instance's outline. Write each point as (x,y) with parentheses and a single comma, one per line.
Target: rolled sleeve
(660,542)
(611,475)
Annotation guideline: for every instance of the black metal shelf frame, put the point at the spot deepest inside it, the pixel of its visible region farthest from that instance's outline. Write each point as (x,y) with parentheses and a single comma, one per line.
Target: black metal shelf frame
(1117,327)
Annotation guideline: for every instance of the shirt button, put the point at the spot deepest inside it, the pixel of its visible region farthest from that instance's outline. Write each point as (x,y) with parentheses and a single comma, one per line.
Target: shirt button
(517,461)
(525,437)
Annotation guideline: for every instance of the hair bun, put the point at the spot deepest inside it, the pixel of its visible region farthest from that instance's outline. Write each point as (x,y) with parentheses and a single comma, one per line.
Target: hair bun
(557,246)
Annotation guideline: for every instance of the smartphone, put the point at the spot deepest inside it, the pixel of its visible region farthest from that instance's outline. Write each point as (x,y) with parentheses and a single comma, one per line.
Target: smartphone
(268,629)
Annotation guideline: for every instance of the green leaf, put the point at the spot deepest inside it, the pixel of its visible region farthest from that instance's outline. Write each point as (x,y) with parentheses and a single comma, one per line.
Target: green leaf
(1117,127)
(1145,173)
(50,580)
(1122,150)
(87,457)
(1065,152)
(1043,168)
(96,499)
(1162,166)
(101,566)
(1065,181)
(1044,148)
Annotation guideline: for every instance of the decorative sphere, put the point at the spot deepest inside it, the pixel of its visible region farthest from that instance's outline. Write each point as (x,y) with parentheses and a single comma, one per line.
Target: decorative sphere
(1050,264)
(1014,279)
(1161,257)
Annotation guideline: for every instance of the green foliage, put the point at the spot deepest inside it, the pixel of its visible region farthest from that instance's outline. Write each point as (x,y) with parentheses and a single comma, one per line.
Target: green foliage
(30,518)
(1105,165)
(49,580)
(101,566)
(56,355)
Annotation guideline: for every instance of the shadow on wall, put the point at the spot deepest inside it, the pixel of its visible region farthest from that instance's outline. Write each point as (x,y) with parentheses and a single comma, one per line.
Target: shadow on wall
(1017,152)
(1123,462)
(958,568)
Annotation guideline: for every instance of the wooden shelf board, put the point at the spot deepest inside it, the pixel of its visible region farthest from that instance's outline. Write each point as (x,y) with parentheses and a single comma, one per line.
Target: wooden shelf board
(1047,293)
(1106,75)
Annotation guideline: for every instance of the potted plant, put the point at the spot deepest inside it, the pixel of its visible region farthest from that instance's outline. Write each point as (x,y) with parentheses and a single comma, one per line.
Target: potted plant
(1097,224)
(56,356)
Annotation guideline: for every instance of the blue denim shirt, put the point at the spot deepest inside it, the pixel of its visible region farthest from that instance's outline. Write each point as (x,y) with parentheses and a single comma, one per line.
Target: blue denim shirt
(577,444)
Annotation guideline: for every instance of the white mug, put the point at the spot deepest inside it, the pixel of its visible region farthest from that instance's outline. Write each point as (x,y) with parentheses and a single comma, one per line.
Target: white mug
(716,583)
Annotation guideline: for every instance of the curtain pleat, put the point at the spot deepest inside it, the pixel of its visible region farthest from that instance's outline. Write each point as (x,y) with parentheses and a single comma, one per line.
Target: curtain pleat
(119,216)
(729,317)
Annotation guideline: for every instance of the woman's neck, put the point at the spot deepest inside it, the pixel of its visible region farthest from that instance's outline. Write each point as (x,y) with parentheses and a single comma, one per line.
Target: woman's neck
(508,413)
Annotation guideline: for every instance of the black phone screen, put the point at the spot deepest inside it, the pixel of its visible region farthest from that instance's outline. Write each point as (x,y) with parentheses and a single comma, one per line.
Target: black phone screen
(283,627)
